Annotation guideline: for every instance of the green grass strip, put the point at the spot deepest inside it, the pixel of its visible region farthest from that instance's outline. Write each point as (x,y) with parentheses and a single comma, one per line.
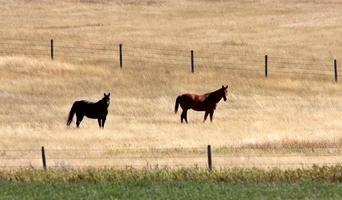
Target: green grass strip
(170,190)
(235,175)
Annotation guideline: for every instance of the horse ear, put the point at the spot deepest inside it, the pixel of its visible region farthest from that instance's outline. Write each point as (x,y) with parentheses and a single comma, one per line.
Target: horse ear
(222,86)
(104,94)
(108,94)
(226,86)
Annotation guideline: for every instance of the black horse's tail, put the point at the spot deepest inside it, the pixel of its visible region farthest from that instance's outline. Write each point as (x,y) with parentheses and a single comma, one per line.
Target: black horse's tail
(71,114)
(177,103)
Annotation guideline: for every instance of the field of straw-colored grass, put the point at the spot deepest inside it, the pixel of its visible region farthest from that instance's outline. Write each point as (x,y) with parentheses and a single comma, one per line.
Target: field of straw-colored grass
(285,109)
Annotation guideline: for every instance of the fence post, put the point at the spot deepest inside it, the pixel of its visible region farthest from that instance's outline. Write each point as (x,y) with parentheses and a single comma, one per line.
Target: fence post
(120,49)
(52,49)
(192,62)
(335,68)
(266,62)
(44,158)
(210,164)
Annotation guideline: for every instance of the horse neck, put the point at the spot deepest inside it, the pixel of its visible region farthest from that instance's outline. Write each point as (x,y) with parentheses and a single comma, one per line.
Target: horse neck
(216,96)
(101,102)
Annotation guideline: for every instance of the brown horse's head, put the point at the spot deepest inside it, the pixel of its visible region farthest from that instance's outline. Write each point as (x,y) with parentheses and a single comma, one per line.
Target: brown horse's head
(106,98)
(224,90)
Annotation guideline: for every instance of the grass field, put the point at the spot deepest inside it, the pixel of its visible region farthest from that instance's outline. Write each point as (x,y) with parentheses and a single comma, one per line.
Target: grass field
(187,183)
(294,110)
(171,190)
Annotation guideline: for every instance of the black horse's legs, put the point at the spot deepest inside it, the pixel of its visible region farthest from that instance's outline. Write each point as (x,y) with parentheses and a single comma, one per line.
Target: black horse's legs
(99,121)
(103,121)
(211,115)
(205,116)
(79,119)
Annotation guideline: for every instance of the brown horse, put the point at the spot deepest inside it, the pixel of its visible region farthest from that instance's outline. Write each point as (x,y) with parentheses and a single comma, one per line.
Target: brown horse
(206,102)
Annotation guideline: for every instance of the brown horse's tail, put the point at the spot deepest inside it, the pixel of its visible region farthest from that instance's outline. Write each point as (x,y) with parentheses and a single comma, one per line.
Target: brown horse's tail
(177,103)
(71,114)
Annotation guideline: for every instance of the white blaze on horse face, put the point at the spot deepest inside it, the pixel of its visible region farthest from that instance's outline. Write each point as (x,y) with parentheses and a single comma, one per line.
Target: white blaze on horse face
(107,100)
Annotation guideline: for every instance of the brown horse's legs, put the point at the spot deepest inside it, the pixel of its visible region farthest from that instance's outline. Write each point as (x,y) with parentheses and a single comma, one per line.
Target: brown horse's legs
(211,115)
(184,116)
(205,116)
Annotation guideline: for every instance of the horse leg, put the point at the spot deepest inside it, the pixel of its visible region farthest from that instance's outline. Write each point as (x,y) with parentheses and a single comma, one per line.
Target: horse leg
(205,115)
(211,115)
(103,121)
(182,116)
(79,119)
(99,121)
(186,116)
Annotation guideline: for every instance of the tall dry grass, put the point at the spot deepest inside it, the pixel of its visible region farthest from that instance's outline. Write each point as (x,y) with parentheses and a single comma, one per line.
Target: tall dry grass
(36,93)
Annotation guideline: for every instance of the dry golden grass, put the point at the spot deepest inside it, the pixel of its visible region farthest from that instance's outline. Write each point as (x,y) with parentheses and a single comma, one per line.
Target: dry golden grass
(36,94)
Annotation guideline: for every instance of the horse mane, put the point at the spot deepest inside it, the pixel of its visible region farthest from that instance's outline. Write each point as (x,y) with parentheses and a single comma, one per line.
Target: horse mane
(213,94)
(101,101)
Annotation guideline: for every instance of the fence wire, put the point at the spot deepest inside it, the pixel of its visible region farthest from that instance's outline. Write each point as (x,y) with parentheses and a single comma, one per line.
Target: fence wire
(168,157)
(216,60)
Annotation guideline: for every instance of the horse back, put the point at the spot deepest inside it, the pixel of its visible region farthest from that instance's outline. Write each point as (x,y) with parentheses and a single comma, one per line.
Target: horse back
(90,109)
(195,97)
(196,102)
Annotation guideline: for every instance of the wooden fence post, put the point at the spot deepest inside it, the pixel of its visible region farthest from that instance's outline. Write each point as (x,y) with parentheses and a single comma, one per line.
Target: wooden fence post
(52,56)
(335,69)
(44,158)
(192,62)
(266,62)
(120,48)
(210,164)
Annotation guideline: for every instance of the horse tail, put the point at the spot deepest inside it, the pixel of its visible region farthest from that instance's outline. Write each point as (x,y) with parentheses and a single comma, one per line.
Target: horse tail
(71,114)
(177,103)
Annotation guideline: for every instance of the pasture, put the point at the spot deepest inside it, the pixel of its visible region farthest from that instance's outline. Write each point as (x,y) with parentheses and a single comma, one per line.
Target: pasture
(290,112)
(171,190)
(191,183)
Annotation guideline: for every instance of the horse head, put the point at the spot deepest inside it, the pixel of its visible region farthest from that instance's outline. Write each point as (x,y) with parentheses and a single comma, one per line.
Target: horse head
(224,90)
(106,99)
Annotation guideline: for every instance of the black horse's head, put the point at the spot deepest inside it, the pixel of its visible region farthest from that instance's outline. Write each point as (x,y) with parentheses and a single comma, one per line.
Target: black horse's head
(106,99)
(224,90)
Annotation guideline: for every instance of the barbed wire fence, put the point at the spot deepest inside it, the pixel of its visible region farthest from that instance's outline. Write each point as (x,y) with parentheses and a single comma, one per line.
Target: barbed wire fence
(191,60)
(45,158)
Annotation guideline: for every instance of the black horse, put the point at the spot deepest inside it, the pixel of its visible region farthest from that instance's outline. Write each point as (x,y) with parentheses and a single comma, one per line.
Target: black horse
(98,110)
